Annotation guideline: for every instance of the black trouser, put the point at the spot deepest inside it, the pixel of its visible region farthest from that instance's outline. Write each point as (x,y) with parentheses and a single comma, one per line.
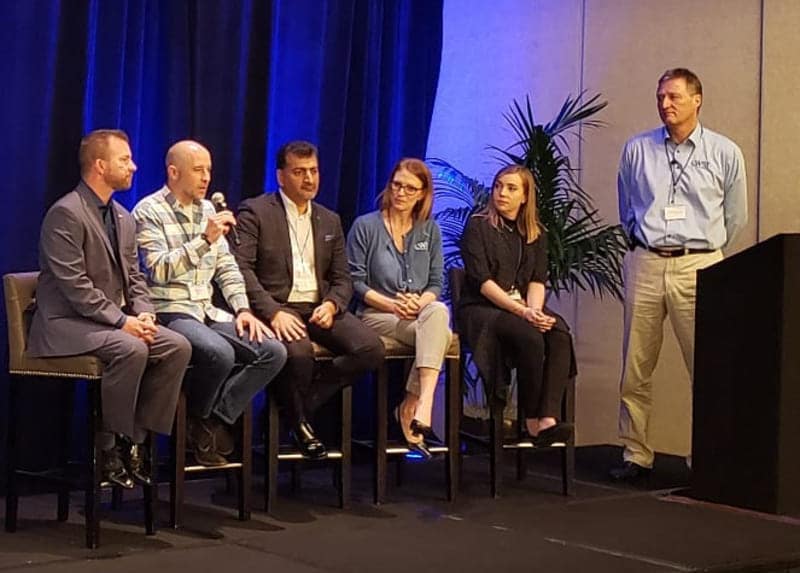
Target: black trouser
(542,361)
(357,347)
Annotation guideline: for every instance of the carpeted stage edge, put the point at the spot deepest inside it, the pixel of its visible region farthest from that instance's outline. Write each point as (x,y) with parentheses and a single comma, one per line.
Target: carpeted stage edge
(603,527)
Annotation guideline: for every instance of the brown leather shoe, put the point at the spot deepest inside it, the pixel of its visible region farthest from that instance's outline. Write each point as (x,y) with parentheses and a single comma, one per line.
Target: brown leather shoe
(200,441)
(223,437)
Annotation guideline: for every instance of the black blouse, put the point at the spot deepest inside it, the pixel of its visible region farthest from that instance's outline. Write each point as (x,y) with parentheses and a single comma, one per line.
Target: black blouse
(500,254)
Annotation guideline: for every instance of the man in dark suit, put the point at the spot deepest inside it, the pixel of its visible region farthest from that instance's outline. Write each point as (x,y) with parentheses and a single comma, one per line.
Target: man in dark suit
(92,299)
(294,264)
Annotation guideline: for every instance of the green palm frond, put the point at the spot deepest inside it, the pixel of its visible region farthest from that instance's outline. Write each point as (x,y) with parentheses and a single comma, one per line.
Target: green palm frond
(584,253)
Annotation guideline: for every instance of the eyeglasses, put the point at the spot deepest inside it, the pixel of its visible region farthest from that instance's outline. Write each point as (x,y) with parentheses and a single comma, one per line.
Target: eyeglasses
(398,187)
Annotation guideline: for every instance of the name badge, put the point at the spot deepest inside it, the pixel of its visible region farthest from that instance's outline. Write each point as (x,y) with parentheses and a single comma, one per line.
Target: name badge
(675,212)
(198,292)
(514,294)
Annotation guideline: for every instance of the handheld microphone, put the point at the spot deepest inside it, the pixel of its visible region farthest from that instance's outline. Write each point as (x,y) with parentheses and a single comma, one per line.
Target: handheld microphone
(218,200)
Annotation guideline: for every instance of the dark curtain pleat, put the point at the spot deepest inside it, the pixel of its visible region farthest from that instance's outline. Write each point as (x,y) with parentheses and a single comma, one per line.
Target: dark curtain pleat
(357,77)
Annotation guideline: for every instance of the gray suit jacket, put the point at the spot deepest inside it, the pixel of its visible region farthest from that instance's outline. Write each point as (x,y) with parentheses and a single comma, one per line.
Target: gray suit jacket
(82,288)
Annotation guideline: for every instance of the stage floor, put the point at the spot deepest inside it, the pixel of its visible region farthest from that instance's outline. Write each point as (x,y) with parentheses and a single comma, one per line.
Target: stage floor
(603,527)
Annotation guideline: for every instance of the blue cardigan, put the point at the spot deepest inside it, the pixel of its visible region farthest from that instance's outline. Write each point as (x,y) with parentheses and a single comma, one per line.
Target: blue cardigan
(375,263)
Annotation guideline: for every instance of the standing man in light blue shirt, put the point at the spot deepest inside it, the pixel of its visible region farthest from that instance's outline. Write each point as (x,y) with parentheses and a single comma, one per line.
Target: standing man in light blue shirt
(682,198)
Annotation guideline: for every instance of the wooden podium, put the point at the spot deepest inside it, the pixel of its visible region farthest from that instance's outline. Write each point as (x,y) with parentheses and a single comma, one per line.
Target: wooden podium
(746,421)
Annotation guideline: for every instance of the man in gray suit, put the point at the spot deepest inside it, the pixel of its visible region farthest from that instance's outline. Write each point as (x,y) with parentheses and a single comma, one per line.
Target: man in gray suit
(92,299)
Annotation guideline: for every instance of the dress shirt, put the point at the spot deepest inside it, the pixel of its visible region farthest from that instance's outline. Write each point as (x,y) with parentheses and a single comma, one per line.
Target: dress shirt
(178,261)
(375,263)
(301,239)
(690,195)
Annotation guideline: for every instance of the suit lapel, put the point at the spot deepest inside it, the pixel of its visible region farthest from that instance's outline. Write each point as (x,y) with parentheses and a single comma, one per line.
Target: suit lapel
(282,232)
(319,243)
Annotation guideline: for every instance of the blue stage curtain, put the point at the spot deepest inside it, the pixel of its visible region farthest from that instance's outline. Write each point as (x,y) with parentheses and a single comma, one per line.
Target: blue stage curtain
(357,77)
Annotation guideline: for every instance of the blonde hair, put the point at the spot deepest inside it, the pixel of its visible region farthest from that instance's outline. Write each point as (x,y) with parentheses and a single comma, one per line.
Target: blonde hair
(527,219)
(417,168)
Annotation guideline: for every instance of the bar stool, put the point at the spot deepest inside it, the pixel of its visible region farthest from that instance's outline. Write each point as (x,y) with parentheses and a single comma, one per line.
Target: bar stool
(274,452)
(383,449)
(19,293)
(243,469)
(497,443)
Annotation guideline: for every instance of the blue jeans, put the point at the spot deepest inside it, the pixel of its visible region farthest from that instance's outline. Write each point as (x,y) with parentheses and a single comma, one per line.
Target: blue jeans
(228,370)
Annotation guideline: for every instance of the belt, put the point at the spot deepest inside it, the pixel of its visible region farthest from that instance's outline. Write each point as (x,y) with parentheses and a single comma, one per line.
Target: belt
(669,252)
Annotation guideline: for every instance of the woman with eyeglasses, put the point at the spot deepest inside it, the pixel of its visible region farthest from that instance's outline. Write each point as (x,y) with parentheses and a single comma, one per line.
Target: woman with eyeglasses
(395,258)
(501,313)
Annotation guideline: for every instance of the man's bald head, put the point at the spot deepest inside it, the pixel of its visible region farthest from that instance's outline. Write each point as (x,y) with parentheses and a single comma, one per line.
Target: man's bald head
(188,170)
(182,150)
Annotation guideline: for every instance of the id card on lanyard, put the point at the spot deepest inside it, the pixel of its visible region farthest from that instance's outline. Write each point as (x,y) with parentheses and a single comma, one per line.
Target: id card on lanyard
(676,211)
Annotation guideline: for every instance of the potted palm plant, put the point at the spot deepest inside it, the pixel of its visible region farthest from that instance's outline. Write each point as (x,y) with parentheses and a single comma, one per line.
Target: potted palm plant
(584,253)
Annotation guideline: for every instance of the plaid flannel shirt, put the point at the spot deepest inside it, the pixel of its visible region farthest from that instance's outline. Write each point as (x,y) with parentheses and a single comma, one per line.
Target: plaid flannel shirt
(177,259)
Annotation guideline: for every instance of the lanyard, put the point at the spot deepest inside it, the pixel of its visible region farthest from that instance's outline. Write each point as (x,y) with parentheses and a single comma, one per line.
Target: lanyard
(300,250)
(670,160)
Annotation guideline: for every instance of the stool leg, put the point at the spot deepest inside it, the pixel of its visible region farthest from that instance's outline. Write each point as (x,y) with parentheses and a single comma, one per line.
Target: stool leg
(12,499)
(92,505)
(452,422)
(522,459)
(495,444)
(295,471)
(346,447)
(63,453)
(150,491)
(568,453)
(178,463)
(116,498)
(246,471)
(399,470)
(459,409)
(271,454)
(381,434)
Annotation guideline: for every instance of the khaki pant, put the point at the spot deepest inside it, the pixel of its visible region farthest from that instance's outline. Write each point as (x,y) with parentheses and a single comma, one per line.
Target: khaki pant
(429,334)
(655,287)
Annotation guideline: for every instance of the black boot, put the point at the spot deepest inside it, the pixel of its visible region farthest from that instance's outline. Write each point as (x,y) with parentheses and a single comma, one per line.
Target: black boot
(114,469)
(137,461)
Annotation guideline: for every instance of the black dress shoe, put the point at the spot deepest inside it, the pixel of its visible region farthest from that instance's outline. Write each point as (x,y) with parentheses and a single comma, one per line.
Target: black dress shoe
(309,445)
(420,429)
(630,472)
(138,466)
(561,433)
(113,469)
(414,440)
(421,448)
